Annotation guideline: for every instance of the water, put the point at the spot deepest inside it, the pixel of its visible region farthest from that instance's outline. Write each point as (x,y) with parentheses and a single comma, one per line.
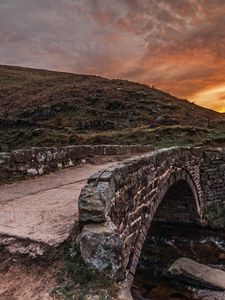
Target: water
(165,244)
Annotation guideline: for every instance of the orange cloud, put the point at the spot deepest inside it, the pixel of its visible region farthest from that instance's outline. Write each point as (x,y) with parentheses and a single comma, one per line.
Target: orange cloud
(178,46)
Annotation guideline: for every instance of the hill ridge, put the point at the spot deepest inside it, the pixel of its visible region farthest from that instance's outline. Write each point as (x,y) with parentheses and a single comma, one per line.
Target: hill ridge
(75,108)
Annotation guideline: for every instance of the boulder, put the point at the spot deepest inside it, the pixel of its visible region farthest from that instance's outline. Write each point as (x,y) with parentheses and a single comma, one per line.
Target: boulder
(202,275)
(101,248)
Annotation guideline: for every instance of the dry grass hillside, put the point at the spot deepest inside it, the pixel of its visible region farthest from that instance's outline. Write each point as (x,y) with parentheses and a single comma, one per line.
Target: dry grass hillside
(44,108)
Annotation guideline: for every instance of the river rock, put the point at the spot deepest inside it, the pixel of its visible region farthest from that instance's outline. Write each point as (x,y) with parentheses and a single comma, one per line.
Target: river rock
(199,273)
(221,256)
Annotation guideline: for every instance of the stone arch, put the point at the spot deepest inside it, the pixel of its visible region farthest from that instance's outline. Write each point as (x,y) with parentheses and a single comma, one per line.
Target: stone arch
(181,182)
(178,181)
(117,206)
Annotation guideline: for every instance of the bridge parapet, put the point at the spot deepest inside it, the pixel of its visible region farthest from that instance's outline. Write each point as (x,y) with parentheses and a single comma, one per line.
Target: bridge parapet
(40,160)
(117,206)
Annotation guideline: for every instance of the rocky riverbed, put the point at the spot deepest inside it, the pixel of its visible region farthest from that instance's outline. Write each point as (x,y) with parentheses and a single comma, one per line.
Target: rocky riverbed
(164,245)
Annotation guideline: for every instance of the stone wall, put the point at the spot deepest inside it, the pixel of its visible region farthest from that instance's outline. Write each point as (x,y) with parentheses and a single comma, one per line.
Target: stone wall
(117,206)
(36,161)
(213,174)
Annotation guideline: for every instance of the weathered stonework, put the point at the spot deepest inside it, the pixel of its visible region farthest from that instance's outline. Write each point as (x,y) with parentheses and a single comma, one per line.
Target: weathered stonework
(92,204)
(213,174)
(37,161)
(100,242)
(170,185)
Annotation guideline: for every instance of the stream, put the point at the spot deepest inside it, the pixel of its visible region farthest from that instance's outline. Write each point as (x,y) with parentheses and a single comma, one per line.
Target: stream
(164,245)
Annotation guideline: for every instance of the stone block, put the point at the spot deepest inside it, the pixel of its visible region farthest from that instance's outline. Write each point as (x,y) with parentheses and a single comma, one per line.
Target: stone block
(93,203)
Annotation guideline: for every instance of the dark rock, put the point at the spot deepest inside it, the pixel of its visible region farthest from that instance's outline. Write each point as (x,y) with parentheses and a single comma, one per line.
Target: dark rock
(166,121)
(4,148)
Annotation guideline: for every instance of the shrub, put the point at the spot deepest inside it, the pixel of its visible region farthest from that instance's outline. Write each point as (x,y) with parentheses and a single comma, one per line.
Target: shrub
(214,214)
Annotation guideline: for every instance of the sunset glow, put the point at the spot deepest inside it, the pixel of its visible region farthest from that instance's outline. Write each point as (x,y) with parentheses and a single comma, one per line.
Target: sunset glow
(215,96)
(175,45)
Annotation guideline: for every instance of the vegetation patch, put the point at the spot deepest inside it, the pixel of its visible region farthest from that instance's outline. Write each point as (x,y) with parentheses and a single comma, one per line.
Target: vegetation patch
(78,281)
(214,215)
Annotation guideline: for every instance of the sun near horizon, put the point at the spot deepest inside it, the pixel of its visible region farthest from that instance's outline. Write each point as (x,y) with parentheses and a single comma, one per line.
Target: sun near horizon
(213,98)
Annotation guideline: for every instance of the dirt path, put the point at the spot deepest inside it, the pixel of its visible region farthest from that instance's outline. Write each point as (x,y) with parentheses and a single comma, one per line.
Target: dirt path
(39,210)
(34,282)
(44,209)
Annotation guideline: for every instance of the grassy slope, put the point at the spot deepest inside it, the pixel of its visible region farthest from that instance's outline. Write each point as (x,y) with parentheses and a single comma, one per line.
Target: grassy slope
(54,108)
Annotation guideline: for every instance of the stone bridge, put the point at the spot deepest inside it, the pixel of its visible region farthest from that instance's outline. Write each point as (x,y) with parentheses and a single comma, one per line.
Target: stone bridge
(117,205)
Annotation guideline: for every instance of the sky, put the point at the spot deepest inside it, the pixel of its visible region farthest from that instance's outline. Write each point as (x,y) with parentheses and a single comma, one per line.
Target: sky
(175,45)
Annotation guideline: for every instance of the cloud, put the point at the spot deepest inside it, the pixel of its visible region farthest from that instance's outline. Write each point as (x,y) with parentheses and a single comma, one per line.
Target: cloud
(176,45)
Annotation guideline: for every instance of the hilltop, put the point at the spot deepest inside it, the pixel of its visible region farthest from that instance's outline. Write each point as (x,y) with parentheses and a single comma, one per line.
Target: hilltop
(45,108)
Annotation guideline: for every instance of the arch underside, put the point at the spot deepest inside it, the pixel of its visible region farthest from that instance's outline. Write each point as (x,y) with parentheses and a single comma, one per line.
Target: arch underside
(178,205)
(178,202)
